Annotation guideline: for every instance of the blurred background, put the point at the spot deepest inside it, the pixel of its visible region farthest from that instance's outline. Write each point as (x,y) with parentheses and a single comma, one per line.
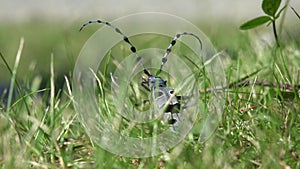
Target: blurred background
(51,27)
(74,10)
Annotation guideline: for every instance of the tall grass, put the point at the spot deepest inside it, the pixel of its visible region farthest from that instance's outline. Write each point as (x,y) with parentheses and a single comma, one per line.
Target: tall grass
(259,127)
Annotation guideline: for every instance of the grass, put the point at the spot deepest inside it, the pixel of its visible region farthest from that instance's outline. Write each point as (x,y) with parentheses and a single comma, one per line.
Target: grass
(259,127)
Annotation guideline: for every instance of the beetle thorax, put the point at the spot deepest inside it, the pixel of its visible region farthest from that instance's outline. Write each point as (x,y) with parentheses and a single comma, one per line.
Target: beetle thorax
(156,82)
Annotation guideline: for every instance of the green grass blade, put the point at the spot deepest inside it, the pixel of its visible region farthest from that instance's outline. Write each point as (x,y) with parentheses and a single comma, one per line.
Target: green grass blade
(296,13)
(52,92)
(14,72)
(241,80)
(21,92)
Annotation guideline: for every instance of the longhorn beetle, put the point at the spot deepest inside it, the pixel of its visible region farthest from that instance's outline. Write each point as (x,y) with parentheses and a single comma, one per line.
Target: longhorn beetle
(163,95)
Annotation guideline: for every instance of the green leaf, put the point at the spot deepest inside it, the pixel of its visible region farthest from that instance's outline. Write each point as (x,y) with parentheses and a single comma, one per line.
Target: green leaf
(255,22)
(270,6)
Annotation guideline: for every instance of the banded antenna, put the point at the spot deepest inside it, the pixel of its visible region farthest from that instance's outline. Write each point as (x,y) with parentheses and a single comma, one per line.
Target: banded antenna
(173,42)
(125,38)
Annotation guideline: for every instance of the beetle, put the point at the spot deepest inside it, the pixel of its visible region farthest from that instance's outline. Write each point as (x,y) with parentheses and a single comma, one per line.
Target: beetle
(164,97)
